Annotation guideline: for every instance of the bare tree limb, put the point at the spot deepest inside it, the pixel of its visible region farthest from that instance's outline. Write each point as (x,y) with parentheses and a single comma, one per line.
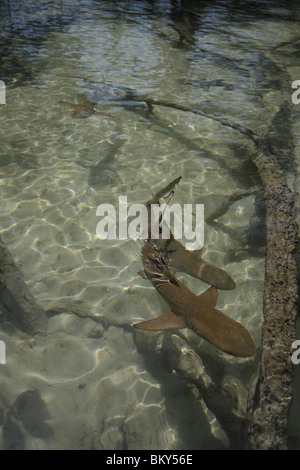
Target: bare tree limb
(224,121)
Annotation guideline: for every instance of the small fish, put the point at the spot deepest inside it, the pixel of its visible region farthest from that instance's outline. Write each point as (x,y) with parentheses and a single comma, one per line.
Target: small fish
(84,109)
(190,311)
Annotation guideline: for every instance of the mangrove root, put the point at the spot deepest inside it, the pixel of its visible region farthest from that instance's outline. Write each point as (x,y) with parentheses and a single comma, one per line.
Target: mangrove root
(17,305)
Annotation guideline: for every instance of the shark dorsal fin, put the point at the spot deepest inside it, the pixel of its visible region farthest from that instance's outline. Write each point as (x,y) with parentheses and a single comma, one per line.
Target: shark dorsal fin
(167,321)
(210,296)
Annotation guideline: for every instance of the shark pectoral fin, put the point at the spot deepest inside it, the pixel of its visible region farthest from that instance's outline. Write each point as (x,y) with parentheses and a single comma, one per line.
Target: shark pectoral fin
(167,321)
(210,296)
(142,274)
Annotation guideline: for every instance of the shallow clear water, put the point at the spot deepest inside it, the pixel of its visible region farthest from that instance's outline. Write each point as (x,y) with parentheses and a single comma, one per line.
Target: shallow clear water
(94,382)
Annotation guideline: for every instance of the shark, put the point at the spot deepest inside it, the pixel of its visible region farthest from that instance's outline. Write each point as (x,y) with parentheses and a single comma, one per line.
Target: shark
(188,310)
(177,257)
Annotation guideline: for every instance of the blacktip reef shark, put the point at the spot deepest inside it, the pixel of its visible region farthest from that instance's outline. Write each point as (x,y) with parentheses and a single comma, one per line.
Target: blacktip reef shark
(190,311)
(177,257)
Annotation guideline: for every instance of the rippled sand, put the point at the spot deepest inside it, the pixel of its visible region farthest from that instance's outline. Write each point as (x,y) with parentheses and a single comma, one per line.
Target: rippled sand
(93,382)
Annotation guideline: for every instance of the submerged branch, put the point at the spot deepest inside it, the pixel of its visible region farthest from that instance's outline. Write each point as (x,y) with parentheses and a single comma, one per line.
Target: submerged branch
(285,43)
(18,307)
(150,102)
